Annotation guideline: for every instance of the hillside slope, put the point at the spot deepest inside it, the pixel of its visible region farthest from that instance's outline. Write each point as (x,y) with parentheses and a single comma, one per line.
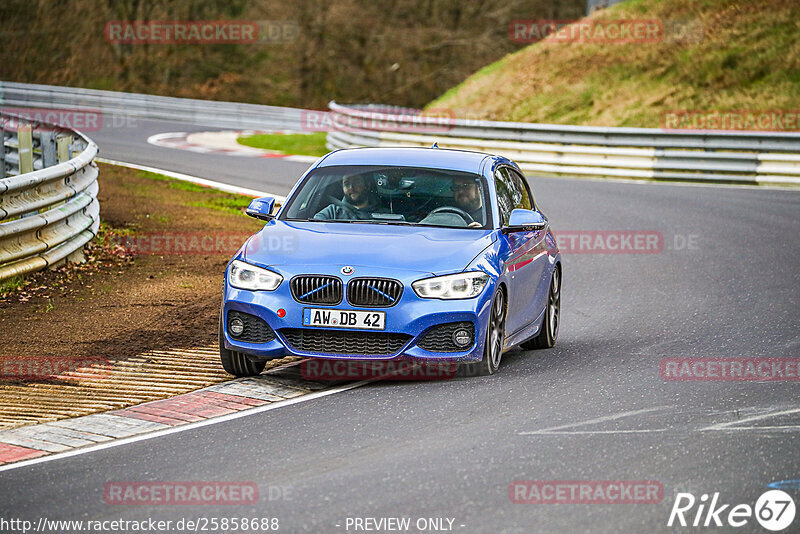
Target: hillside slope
(734,55)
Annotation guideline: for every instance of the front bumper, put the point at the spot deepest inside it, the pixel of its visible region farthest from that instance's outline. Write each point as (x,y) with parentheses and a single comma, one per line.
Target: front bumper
(411,316)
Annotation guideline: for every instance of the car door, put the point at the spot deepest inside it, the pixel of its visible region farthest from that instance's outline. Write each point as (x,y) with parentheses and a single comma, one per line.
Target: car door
(526,262)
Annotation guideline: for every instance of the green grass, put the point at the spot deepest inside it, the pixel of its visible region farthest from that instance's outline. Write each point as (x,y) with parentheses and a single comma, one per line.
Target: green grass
(738,55)
(312,144)
(228,203)
(11,284)
(482,73)
(210,198)
(174,183)
(108,235)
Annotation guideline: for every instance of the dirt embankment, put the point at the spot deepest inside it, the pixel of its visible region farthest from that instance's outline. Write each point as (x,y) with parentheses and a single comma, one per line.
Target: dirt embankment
(139,320)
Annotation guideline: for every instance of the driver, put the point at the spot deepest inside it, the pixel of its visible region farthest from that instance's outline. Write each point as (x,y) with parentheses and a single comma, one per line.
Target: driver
(358,201)
(467,196)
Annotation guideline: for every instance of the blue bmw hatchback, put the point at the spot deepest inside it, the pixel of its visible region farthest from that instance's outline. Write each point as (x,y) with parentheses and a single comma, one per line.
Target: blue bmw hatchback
(395,253)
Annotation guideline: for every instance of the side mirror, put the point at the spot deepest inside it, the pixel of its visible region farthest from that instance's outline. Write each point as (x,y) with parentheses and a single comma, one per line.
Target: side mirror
(524,221)
(261,208)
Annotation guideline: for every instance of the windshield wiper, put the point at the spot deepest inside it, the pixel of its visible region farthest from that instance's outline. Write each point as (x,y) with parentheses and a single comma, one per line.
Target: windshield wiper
(320,220)
(351,221)
(382,221)
(377,221)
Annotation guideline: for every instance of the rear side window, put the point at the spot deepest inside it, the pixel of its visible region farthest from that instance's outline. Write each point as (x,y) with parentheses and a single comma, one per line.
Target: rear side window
(512,192)
(518,182)
(505,195)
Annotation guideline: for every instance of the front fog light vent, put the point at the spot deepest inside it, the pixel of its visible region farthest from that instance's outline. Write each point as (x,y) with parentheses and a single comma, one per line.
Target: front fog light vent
(448,337)
(249,328)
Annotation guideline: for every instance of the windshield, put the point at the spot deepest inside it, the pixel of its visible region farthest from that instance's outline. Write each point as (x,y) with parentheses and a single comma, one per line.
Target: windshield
(391,195)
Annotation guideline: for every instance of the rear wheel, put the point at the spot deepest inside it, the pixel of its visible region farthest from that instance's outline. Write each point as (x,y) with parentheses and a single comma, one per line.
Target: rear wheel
(552,317)
(495,340)
(237,363)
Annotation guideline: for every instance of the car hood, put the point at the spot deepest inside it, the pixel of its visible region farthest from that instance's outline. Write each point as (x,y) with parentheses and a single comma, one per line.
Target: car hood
(422,249)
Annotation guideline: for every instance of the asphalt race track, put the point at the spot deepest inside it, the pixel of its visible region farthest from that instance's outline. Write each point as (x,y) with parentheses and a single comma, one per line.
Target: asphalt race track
(723,284)
(128,143)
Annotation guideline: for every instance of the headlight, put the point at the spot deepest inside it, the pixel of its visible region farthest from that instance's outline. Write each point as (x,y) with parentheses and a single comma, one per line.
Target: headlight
(452,286)
(246,276)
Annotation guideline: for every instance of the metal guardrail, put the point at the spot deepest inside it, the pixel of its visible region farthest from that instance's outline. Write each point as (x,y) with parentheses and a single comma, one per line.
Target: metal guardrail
(113,105)
(644,153)
(48,198)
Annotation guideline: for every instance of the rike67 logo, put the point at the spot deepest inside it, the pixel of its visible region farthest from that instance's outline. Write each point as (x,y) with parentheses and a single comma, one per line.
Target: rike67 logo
(774,511)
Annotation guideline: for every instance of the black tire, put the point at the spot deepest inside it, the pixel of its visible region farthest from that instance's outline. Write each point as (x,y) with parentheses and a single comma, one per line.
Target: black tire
(546,338)
(495,339)
(237,363)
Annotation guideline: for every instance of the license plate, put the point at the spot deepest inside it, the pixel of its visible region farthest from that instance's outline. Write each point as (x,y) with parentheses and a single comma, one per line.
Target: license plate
(369,320)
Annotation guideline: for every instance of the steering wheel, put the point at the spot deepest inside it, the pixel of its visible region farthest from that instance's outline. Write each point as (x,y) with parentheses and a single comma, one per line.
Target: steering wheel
(452,209)
(346,207)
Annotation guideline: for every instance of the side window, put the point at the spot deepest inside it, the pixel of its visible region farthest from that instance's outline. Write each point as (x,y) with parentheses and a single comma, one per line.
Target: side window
(519,183)
(513,187)
(505,195)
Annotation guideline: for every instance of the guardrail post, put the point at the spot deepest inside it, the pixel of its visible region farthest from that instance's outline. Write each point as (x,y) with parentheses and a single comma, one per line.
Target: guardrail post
(3,136)
(62,147)
(25,150)
(76,257)
(64,153)
(48,144)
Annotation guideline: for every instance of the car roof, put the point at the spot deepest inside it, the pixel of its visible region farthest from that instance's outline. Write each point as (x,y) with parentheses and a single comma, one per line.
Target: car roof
(437,158)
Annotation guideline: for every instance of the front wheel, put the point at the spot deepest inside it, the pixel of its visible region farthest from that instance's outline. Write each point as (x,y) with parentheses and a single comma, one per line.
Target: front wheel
(236,363)
(495,340)
(552,317)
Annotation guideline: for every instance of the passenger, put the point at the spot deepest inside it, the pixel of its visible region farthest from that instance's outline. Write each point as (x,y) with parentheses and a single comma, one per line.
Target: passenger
(358,202)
